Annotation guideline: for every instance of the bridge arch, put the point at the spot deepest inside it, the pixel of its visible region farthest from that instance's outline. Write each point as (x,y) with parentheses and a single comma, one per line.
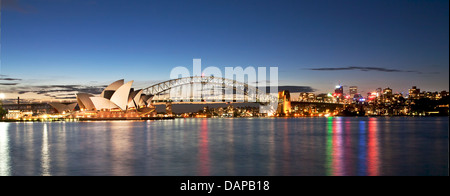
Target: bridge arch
(222,87)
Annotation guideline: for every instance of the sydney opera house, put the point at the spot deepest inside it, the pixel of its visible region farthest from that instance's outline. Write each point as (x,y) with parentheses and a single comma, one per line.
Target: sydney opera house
(118,100)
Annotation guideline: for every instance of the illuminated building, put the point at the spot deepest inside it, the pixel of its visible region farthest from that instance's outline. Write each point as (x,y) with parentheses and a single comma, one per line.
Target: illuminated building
(353,90)
(414,93)
(339,91)
(387,93)
(443,94)
(360,98)
(371,96)
(311,97)
(305,97)
(433,95)
(324,98)
(22,110)
(117,96)
(421,95)
(117,100)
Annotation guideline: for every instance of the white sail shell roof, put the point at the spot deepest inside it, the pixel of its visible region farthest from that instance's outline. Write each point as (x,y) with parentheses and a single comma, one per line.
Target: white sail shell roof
(141,102)
(102,103)
(130,99)
(134,99)
(113,86)
(137,98)
(84,102)
(120,97)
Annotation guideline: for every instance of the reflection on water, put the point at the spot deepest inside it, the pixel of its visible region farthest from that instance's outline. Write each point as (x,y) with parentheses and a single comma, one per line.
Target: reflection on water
(271,143)
(340,148)
(372,148)
(45,154)
(329,158)
(337,148)
(204,149)
(286,151)
(362,150)
(121,141)
(4,150)
(269,146)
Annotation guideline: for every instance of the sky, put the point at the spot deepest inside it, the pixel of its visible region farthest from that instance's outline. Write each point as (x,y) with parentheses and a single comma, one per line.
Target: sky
(55,48)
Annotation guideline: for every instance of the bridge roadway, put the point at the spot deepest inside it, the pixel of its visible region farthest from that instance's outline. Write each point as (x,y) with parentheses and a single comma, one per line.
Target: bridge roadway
(173,103)
(207,102)
(315,103)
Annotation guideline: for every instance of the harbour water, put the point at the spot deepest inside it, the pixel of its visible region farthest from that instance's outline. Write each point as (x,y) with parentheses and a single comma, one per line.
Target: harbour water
(355,146)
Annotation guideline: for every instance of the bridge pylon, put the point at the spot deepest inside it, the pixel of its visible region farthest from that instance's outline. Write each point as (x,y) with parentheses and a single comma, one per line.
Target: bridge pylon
(169,108)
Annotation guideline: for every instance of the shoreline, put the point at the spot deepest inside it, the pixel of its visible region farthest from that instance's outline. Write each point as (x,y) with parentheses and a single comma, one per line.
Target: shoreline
(88,119)
(172,118)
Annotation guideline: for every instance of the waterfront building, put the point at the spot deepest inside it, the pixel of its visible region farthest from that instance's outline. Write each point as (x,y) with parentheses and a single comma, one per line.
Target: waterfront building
(28,110)
(117,100)
(118,96)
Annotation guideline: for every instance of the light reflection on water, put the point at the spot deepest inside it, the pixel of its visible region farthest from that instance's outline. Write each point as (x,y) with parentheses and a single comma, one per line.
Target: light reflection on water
(204,149)
(45,154)
(258,146)
(5,168)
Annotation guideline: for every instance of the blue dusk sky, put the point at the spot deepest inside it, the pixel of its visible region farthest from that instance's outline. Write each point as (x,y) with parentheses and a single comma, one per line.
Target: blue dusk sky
(65,46)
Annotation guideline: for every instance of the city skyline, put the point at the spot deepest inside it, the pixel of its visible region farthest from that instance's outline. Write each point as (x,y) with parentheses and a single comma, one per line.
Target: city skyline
(53,49)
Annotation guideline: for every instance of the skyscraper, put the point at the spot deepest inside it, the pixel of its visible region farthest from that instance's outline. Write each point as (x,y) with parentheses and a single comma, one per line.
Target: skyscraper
(353,90)
(339,91)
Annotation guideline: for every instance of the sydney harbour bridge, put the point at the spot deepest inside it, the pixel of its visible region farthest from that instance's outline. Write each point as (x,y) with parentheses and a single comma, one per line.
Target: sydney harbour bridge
(209,89)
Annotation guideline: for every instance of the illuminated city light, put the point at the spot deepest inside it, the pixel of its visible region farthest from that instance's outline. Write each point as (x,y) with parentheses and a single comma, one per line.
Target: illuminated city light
(375,104)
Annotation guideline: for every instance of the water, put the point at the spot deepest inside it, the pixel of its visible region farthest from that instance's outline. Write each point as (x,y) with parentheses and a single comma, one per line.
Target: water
(242,147)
